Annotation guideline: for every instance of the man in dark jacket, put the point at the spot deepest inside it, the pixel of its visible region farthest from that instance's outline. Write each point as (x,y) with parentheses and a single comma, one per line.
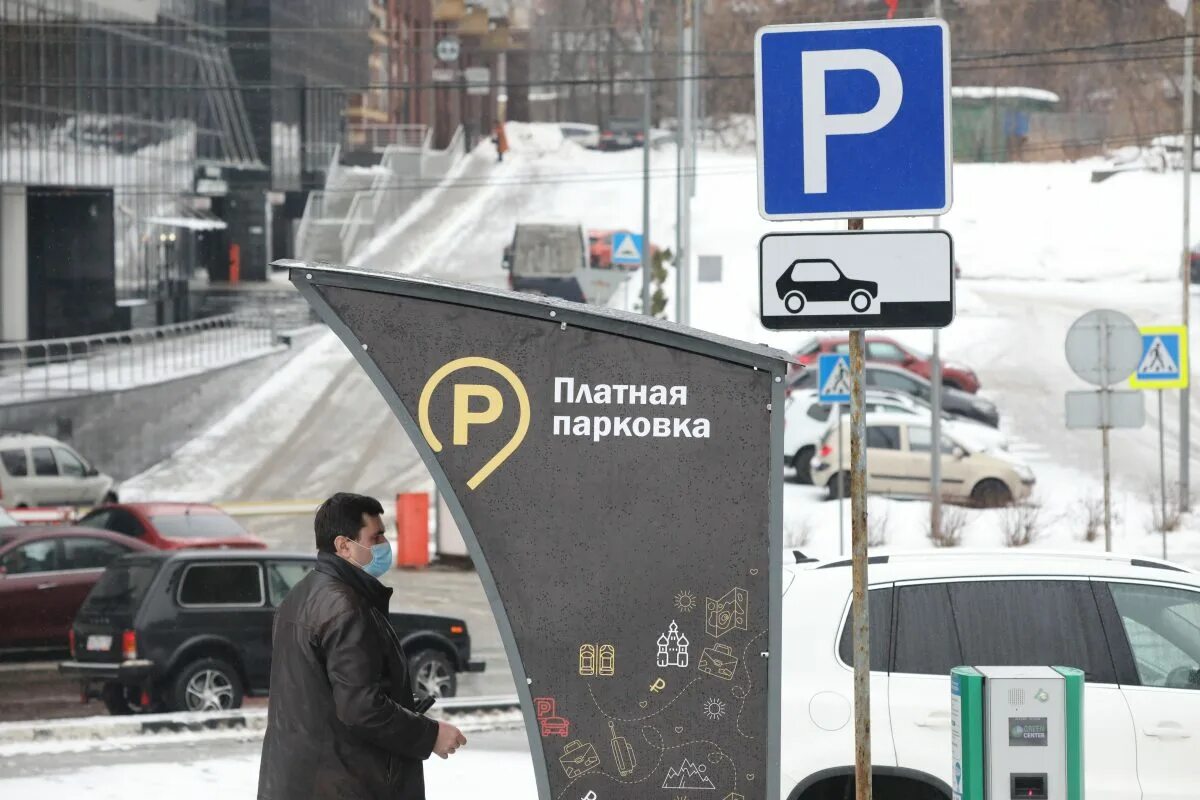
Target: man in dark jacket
(341,722)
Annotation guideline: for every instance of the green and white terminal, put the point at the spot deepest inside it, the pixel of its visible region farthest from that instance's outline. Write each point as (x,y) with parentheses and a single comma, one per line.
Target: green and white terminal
(1017,732)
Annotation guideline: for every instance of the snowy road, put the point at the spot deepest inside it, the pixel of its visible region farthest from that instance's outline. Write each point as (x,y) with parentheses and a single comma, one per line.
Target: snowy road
(206,768)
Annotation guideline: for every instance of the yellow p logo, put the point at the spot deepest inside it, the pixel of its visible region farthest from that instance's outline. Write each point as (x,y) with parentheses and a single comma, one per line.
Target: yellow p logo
(464,416)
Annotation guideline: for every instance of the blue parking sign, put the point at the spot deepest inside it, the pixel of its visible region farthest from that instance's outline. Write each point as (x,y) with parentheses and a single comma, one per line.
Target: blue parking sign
(833,378)
(853,119)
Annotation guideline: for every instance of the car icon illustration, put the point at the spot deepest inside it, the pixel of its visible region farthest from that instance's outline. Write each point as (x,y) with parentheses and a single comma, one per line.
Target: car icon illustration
(820,280)
(555,726)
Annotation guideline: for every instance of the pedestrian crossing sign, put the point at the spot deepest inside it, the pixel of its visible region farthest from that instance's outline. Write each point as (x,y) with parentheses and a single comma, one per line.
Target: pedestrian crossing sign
(627,248)
(833,378)
(1164,363)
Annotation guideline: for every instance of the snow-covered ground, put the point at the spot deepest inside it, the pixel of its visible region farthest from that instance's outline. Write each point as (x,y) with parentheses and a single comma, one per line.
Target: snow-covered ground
(493,764)
(1039,244)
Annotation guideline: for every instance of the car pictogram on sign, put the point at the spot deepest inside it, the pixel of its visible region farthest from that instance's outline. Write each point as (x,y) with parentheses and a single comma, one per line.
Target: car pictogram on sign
(820,280)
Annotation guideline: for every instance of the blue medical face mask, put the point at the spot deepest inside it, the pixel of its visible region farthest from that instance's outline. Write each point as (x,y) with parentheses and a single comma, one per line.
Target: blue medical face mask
(381,558)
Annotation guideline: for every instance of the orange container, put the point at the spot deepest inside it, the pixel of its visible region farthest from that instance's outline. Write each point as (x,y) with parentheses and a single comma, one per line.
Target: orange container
(412,529)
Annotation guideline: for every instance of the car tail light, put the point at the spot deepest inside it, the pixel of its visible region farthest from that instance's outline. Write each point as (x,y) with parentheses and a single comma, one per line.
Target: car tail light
(71,641)
(129,645)
(826,450)
(457,629)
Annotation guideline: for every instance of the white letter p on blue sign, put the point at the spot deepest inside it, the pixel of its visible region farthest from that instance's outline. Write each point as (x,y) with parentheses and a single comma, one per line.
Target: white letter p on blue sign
(853,119)
(819,123)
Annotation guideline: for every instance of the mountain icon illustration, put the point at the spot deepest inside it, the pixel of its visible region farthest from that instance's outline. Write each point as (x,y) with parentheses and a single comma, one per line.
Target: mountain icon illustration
(688,776)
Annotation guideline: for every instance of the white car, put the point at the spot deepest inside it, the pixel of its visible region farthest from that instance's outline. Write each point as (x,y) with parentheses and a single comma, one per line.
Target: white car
(41,471)
(1132,625)
(898,464)
(807,420)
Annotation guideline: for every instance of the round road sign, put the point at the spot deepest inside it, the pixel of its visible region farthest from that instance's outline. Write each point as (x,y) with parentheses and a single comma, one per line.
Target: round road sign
(1104,347)
(447,49)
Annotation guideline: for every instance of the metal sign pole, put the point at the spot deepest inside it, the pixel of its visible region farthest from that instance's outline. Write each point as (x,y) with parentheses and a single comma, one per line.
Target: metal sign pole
(858,551)
(935,427)
(1189,143)
(1162,472)
(1104,425)
(842,489)
(646,113)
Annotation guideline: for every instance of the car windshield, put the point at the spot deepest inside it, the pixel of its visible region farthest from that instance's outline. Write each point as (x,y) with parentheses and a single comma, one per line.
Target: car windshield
(625,125)
(121,587)
(197,526)
(547,250)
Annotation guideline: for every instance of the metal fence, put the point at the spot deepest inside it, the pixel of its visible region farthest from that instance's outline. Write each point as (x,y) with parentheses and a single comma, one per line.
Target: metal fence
(42,369)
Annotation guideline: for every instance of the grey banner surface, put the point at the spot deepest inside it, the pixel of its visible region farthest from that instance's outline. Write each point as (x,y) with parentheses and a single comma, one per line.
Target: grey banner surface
(617,485)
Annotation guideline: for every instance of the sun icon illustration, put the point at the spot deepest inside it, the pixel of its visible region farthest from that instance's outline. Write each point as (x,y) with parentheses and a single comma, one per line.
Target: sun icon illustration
(685,601)
(714,709)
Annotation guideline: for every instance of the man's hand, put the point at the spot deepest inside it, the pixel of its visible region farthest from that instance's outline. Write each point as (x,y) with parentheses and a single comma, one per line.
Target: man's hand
(449,739)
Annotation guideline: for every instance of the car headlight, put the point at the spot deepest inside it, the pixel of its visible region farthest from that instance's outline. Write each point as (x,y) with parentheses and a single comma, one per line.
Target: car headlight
(1024,473)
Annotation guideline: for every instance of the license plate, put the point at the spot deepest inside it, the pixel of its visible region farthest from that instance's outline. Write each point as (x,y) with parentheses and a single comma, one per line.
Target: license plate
(624,140)
(100,644)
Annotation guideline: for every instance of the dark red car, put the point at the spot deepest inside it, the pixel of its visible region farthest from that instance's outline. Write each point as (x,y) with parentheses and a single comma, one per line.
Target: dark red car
(45,574)
(173,526)
(886,350)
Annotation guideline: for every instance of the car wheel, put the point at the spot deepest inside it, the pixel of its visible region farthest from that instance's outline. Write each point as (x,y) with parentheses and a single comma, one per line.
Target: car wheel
(794,302)
(433,675)
(839,486)
(860,301)
(208,684)
(802,463)
(991,493)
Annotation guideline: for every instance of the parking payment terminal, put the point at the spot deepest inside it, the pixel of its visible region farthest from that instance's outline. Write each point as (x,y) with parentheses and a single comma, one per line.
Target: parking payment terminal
(1017,732)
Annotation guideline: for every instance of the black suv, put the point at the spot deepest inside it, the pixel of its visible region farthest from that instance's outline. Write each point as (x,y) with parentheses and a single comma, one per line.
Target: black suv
(190,630)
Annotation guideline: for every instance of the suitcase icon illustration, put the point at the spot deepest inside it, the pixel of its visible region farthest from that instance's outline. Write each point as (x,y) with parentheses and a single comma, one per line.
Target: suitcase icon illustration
(578,757)
(622,752)
(719,661)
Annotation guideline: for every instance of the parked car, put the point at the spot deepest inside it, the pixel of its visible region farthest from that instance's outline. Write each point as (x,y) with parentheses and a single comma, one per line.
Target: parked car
(898,448)
(189,630)
(820,280)
(897,379)
(1132,625)
(40,471)
(622,133)
(886,350)
(45,574)
(171,526)
(806,421)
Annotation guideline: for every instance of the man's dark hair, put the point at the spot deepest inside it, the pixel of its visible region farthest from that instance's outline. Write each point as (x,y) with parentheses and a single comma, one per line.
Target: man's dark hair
(342,515)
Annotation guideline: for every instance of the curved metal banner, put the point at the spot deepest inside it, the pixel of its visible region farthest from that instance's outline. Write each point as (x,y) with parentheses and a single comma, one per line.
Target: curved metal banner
(618,483)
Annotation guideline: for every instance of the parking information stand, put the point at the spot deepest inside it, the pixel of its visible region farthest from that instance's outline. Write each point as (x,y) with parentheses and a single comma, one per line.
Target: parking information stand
(853,121)
(616,480)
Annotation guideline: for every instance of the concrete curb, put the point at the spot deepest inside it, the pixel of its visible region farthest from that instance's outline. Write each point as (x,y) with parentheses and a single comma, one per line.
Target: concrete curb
(474,713)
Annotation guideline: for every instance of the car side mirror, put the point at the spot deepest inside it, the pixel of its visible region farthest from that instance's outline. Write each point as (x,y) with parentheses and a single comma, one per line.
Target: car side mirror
(959,453)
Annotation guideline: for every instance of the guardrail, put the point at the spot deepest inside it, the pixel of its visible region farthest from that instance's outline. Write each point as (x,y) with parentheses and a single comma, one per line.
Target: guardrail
(45,368)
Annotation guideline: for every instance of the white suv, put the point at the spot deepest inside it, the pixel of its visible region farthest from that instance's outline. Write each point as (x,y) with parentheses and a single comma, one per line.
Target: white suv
(40,471)
(1132,625)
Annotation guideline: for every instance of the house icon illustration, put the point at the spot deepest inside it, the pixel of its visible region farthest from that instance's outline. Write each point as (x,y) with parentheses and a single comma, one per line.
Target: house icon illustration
(672,648)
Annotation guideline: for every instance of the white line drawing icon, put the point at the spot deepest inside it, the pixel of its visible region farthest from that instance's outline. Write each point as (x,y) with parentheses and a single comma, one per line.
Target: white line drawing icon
(608,661)
(714,709)
(727,613)
(685,601)
(673,648)
(688,776)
